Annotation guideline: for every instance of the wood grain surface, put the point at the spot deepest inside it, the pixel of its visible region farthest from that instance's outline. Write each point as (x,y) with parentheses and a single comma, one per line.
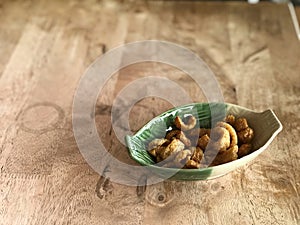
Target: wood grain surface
(297,10)
(45,47)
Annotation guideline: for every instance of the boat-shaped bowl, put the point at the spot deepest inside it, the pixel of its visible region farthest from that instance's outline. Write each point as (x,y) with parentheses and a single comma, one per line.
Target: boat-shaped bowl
(265,125)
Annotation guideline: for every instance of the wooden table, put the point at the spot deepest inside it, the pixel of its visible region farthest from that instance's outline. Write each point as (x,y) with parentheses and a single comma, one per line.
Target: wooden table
(45,47)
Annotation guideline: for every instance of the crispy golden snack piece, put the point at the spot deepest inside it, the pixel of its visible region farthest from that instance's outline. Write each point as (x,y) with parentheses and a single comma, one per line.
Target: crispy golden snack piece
(230,119)
(227,156)
(220,139)
(182,157)
(157,142)
(241,124)
(232,133)
(155,145)
(203,141)
(191,123)
(246,136)
(193,148)
(197,154)
(179,135)
(174,147)
(244,149)
(191,164)
(198,132)
(224,140)
(195,159)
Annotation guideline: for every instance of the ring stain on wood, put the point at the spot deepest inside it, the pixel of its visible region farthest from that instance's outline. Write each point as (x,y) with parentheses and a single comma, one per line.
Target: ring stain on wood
(35,118)
(161,194)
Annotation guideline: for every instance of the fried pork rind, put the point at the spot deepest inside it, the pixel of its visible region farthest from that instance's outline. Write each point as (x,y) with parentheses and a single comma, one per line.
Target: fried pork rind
(226,156)
(191,164)
(245,136)
(179,135)
(191,148)
(240,124)
(203,141)
(157,142)
(191,123)
(197,154)
(182,157)
(244,149)
(155,145)
(220,139)
(230,119)
(232,133)
(198,132)
(174,147)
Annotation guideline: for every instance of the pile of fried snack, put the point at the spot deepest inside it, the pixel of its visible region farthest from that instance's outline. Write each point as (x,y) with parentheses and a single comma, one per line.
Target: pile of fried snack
(186,146)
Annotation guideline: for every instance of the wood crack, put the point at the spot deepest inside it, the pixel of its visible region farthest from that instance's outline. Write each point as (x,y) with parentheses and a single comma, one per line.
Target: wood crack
(252,55)
(104,187)
(141,186)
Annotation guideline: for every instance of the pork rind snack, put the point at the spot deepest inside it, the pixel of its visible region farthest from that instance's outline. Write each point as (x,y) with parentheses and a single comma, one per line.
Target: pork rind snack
(186,146)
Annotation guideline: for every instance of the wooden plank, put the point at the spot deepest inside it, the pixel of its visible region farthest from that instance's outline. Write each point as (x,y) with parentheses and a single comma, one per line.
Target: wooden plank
(21,197)
(70,187)
(194,27)
(286,73)
(258,58)
(297,9)
(10,33)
